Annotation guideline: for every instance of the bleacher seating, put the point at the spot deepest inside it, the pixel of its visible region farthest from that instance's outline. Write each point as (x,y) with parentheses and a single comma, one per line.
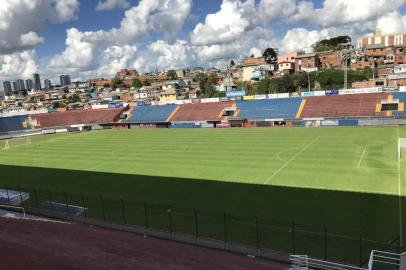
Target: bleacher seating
(13,123)
(151,114)
(201,111)
(58,119)
(360,105)
(402,99)
(269,108)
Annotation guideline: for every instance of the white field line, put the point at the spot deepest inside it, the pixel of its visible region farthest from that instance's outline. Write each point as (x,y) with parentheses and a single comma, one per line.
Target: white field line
(400,193)
(362,156)
(290,160)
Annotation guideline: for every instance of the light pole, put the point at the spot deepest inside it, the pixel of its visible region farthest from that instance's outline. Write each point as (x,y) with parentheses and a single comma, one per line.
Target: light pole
(308,79)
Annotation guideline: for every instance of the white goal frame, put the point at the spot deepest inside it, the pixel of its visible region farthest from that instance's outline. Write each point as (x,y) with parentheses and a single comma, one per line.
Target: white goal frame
(401,146)
(7,143)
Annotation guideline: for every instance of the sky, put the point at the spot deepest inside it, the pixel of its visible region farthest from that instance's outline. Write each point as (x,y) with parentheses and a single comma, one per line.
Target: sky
(96,38)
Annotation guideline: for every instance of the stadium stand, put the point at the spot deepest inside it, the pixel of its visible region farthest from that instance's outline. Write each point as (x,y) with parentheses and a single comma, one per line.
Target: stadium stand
(401,96)
(101,116)
(343,106)
(151,114)
(201,111)
(269,108)
(13,123)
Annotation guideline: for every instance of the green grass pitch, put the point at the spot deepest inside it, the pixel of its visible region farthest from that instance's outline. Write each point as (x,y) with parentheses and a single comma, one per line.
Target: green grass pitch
(346,178)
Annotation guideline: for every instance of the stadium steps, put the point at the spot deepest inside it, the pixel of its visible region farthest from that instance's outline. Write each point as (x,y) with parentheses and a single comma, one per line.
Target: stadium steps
(299,112)
(172,114)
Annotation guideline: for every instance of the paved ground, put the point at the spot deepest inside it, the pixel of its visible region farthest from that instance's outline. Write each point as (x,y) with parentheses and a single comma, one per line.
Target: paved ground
(28,244)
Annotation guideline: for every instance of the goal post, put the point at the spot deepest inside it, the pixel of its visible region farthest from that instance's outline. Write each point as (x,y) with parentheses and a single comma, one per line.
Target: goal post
(16,142)
(402,149)
(6,145)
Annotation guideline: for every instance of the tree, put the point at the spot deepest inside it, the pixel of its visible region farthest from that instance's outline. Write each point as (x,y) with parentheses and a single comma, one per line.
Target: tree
(334,43)
(172,74)
(57,105)
(270,55)
(137,83)
(207,85)
(232,63)
(116,82)
(146,83)
(74,98)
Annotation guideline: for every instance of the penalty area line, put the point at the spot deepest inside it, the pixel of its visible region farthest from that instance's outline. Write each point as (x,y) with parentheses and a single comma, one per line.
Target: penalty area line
(290,160)
(362,157)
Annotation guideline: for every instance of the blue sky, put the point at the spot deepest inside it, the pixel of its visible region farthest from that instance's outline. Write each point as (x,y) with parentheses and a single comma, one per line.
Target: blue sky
(70,36)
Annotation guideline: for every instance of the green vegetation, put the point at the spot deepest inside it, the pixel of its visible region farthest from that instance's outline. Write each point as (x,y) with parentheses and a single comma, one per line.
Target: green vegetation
(137,83)
(116,82)
(172,74)
(271,55)
(73,98)
(343,178)
(321,80)
(207,86)
(331,44)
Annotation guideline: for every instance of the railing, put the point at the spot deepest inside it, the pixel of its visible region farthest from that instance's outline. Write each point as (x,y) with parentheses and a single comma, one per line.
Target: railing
(13,208)
(242,234)
(303,262)
(392,260)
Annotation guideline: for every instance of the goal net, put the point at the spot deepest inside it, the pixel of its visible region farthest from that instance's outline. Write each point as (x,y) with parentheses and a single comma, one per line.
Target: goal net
(16,142)
(402,149)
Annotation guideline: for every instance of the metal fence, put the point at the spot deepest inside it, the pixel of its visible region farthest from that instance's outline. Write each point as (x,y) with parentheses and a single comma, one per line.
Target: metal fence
(246,235)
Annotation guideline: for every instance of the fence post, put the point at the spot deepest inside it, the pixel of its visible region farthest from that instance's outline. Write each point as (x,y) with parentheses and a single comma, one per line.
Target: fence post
(8,196)
(360,250)
(66,202)
(50,201)
(225,229)
(398,245)
(102,205)
(196,226)
(258,235)
(325,242)
(124,213)
(21,197)
(146,216)
(36,197)
(293,239)
(170,220)
(84,206)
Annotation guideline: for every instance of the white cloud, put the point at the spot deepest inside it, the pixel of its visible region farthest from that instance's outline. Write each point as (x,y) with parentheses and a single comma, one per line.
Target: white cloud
(301,38)
(65,10)
(337,12)
(391,23)
(77,57)
(111,4)
(224,26)
(162,16)
(21,21)
(273,9)
(81,57)
(176,55)
(19,64)
(116,58)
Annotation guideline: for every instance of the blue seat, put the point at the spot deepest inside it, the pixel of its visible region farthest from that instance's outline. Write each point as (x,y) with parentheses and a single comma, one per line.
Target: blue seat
(269,108)
(402,98)
(13,123)
(151,114)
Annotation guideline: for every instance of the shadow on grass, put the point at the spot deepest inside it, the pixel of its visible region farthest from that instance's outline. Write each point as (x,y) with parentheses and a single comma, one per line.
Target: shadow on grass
(312,214)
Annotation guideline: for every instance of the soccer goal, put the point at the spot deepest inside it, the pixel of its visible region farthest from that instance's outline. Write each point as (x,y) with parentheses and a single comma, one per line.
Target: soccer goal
(402,149)
(16,142)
